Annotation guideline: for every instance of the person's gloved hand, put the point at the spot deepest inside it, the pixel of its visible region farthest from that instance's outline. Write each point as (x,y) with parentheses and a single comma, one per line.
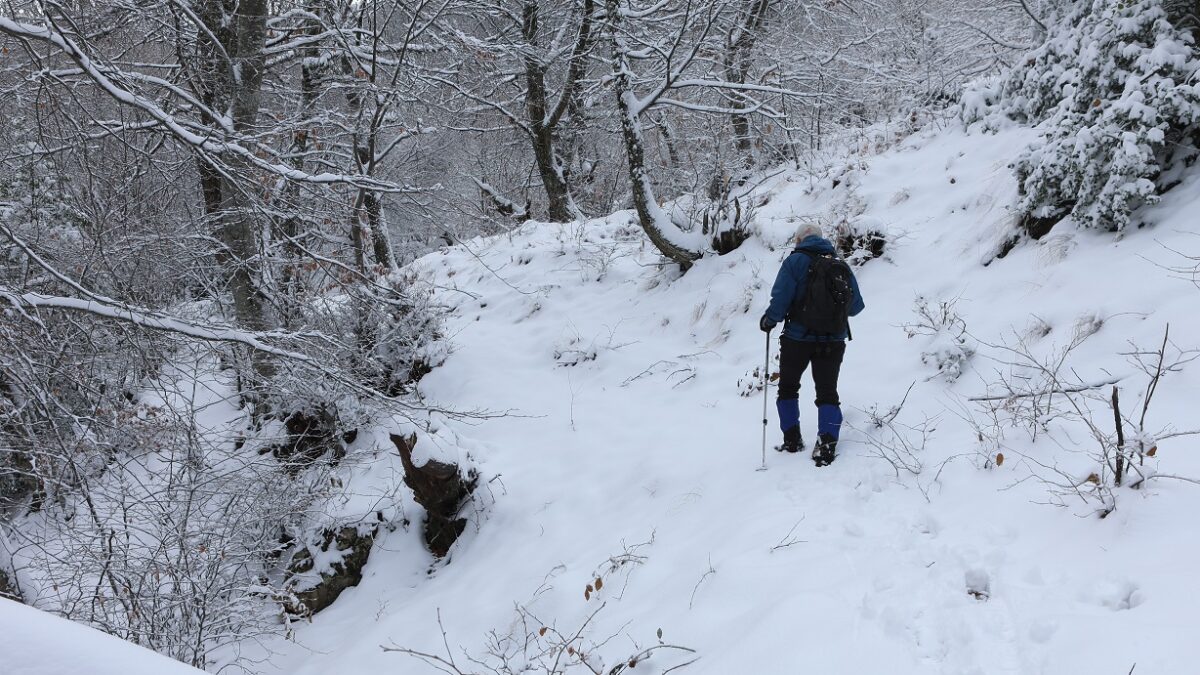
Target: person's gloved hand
(765,324)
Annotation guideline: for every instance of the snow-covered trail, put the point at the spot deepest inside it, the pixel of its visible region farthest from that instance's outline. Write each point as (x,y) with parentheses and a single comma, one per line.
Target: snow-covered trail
(627,425)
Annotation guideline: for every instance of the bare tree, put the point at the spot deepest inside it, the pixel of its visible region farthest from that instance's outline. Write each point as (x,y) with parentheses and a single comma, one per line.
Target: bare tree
(740,42)
(529,75)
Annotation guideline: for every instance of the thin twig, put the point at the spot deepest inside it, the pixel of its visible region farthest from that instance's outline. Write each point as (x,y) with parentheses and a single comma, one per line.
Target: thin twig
(711,571)
(788,539)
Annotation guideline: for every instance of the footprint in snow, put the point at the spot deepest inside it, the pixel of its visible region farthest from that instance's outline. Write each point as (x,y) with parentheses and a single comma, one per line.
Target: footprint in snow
(979,583)
(1041,631)
(1118,595)
(927,525)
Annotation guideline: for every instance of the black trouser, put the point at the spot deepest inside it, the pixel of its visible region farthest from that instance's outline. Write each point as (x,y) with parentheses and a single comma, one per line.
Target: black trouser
(826,360)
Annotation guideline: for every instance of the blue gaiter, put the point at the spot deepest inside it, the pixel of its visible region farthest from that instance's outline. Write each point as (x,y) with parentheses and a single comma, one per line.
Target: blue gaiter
(829,419)
(789,412)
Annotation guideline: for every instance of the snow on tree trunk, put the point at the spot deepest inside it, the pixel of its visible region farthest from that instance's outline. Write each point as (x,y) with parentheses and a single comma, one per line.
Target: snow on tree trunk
(230,60)
(543,121)
(737,66)
(666,237)
(442,489)
(240,232)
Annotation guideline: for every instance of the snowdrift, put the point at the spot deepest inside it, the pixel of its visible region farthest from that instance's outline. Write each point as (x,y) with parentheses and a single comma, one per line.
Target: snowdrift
(33,642)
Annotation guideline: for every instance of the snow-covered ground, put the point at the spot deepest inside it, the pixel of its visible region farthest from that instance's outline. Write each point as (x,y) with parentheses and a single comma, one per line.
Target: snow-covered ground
(630,451)
(33,642)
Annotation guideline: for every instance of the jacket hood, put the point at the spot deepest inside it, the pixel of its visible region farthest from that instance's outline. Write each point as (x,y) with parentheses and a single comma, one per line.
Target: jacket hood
(816,245)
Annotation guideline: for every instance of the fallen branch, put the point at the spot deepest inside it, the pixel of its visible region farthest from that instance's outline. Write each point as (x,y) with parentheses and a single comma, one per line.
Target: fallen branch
(1047,392)
(788,539)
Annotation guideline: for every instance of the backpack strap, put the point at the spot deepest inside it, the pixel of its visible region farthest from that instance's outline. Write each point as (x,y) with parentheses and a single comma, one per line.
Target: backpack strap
(813,256)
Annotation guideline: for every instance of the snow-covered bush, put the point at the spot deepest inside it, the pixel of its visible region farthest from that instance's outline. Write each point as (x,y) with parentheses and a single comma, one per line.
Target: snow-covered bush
(980,103)
(76,393)
(1115,91)
(308,421)
(728,218)
(387,334)
(164,533)
(858,238)
(947,347)
(35,202)
(140,496)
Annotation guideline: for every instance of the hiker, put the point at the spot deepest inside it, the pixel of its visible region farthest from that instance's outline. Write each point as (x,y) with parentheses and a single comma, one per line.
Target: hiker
(814,295)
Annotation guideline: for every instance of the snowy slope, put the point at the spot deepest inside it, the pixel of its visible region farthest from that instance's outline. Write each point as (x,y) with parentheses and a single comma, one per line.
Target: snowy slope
(33,642)
(630,454)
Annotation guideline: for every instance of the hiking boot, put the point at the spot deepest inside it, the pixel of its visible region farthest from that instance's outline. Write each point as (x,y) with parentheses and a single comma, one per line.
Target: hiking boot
(825,451)
(792,440)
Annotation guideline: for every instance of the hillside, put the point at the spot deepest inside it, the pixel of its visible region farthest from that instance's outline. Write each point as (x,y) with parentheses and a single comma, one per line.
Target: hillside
(630,445)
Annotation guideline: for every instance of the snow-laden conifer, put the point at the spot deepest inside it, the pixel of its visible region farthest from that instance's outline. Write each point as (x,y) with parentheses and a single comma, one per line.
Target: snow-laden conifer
(1114,88)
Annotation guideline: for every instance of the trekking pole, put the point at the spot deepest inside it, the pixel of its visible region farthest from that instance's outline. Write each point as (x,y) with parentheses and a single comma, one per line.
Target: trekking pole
(766,381)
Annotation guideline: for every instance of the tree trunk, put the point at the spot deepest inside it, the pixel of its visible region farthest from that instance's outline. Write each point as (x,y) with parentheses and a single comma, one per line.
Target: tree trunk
(381,242)
(228,194)
(560,207)
(289,228)
(650,215)
(368,228)
(359,233)
(441,489)
(210,186)
(737,67)
(558,198)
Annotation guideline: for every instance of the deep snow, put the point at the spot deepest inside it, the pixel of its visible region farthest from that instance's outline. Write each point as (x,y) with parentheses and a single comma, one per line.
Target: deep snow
(626,425)
(628,438)
(33,642)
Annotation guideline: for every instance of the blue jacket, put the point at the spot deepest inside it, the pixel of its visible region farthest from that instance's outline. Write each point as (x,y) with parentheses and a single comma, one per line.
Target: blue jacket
(790,282)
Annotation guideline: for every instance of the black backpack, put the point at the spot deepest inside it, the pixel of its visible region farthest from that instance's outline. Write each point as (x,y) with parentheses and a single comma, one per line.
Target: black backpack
(824,308)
